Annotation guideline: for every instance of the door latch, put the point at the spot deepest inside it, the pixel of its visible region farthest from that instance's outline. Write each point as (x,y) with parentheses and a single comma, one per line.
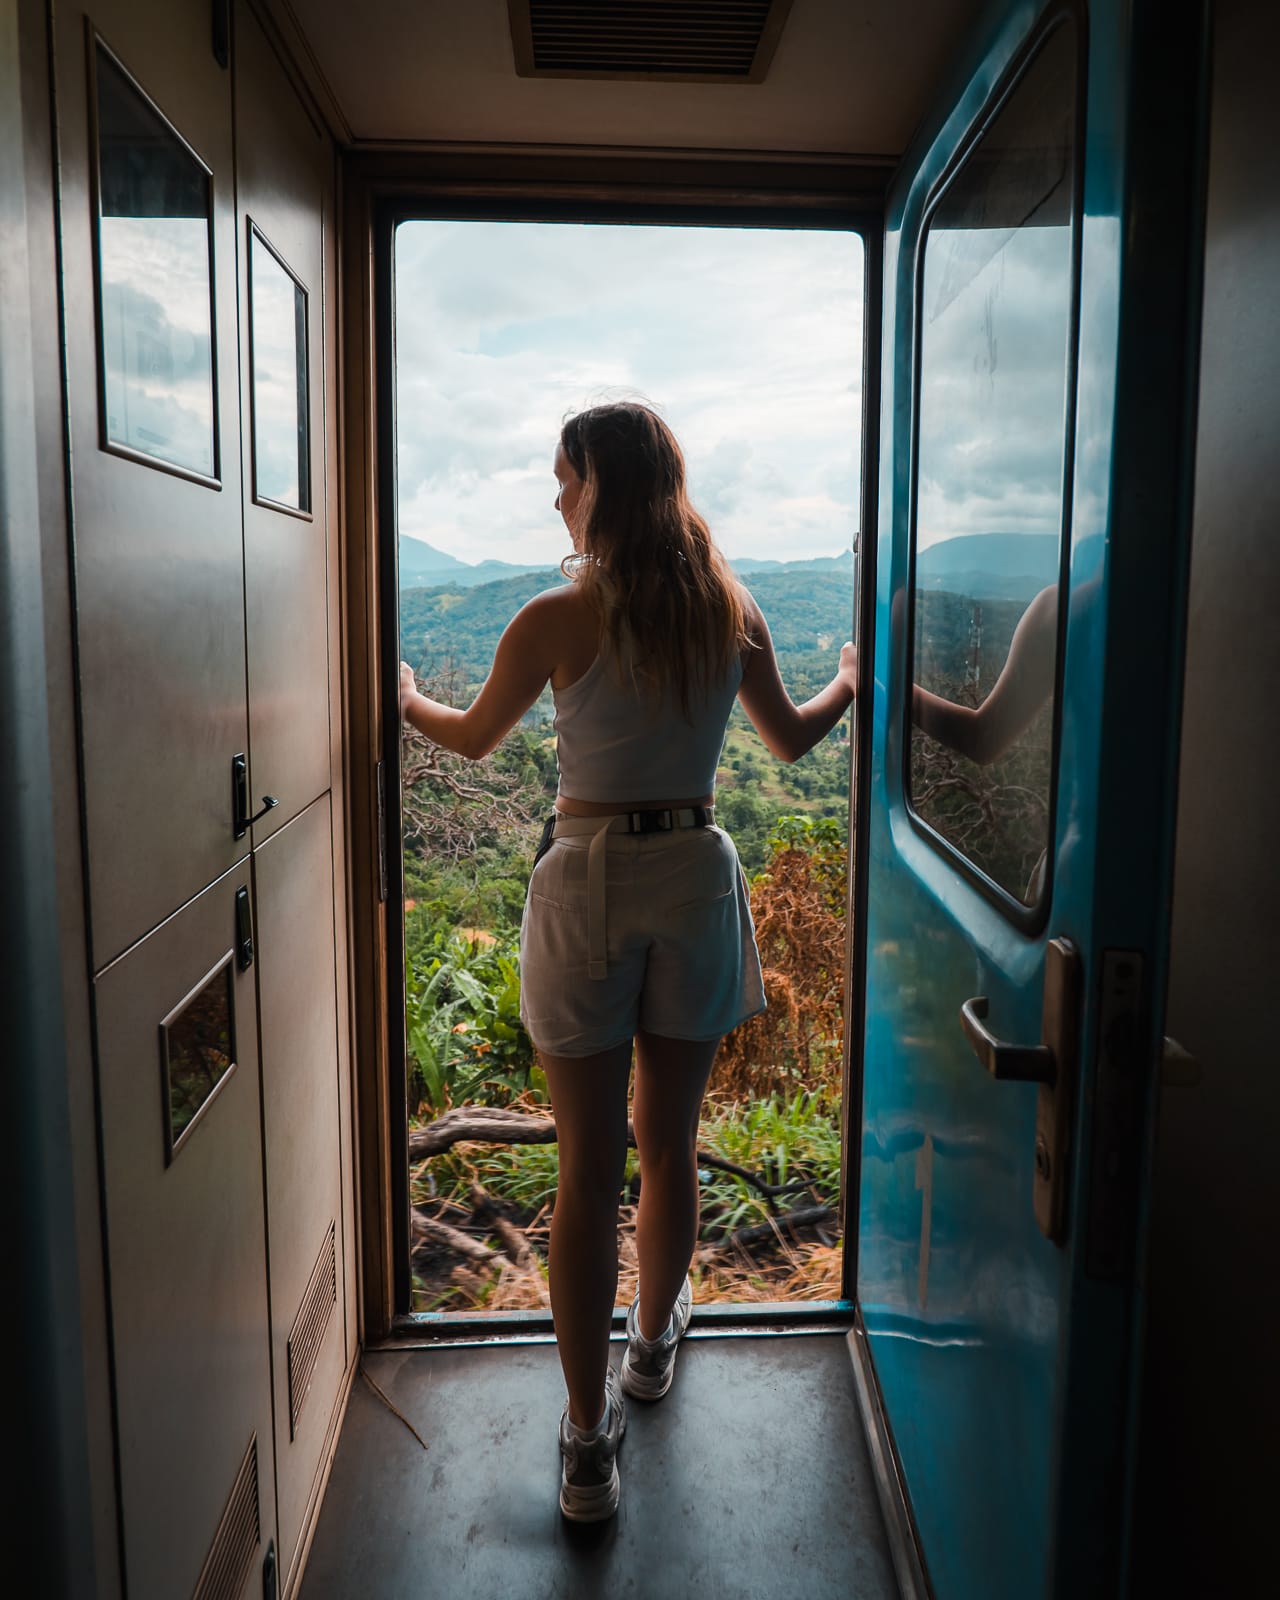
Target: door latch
(241,820)
(1051,1064)
(244,929)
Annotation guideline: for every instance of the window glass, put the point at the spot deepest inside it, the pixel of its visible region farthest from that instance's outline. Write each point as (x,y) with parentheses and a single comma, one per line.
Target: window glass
(197,1043)
(278,344)
(995,333)
(154,288)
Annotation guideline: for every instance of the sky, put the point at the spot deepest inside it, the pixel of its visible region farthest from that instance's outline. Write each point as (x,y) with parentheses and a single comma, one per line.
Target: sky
(748,341)
(995,308)
(157,337)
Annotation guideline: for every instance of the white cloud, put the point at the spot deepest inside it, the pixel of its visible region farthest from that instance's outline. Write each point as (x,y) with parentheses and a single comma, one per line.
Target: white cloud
(993,376)
(748,340)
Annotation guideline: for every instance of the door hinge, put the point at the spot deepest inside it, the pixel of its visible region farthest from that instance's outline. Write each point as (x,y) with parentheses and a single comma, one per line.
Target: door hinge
(382,830)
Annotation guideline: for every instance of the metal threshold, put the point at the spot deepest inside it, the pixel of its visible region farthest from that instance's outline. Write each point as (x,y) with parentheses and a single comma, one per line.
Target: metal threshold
(420,1330)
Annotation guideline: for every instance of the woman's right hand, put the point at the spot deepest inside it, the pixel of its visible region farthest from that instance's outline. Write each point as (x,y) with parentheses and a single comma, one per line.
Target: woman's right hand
(848,669)
(408,685)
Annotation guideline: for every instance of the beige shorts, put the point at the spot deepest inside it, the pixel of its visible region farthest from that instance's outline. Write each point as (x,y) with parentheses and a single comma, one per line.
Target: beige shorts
(679,941)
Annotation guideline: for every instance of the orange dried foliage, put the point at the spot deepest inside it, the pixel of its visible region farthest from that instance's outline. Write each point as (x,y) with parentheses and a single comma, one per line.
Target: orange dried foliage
(796,1042)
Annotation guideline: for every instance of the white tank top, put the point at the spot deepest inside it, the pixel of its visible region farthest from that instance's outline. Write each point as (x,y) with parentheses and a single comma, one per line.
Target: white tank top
(612,745)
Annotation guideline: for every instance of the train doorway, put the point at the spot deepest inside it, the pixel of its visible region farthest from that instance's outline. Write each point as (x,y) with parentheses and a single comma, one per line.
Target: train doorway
(750,341)
(994,1304)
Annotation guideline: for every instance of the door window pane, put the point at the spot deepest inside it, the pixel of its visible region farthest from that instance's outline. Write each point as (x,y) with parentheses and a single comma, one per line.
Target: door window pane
(278,349)
(154,282)
(996,329)
(197,1043)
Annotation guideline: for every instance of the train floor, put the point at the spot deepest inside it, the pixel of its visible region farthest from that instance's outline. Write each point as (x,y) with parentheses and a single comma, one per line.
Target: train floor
(749,1480)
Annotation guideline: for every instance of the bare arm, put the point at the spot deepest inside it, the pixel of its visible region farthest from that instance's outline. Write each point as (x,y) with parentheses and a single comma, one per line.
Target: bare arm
(522,664)
(985,732)
(787,729)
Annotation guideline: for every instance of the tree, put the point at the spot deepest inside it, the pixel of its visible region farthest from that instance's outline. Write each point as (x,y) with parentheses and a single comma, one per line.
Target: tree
(798,906)
(451,806)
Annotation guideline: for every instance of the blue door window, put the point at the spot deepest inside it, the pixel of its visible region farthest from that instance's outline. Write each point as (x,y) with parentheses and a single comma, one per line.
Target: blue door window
(996,295)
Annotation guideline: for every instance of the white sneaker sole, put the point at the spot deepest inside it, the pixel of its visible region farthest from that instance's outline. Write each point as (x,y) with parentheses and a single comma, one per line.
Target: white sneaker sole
(640,1387)
(593,1502)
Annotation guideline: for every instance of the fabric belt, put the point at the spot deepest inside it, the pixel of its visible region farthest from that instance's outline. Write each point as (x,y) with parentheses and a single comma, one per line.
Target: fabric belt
(666,821)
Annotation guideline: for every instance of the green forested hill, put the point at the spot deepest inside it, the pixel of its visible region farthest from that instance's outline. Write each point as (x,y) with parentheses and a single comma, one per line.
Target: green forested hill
(810,615)
(805,611)
(455,630)
(453,626)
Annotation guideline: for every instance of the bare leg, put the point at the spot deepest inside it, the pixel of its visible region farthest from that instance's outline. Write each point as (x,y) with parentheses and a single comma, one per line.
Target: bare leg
(671,1079)
(589,1098)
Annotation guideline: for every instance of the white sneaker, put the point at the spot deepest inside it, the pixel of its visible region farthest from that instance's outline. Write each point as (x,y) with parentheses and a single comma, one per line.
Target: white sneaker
(649,1365)
(589,1483)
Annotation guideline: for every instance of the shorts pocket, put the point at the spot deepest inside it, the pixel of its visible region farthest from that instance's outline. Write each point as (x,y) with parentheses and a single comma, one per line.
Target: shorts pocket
(708,871)
(552,945)
(555,882)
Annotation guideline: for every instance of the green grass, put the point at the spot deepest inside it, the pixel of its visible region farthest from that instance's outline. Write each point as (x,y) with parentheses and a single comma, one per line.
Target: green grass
(793,1140)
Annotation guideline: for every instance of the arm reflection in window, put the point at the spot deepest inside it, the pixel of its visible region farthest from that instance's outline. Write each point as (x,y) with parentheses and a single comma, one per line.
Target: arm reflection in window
(984,733)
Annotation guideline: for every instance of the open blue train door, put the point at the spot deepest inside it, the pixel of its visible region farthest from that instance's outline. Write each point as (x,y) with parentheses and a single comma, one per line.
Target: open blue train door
(1041,293)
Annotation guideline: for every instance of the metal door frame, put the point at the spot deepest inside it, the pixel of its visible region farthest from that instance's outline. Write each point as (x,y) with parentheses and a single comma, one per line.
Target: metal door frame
(839,196)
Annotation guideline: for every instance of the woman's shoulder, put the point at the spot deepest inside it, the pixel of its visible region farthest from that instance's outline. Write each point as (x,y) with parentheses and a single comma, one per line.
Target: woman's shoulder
(560,625)
(752,614)
(563,606)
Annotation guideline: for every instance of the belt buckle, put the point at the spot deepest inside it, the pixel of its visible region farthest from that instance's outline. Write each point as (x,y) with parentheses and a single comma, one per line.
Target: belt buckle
(650,822)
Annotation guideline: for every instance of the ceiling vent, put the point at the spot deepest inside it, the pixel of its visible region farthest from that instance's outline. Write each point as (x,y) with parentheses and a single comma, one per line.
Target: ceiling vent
(686,41)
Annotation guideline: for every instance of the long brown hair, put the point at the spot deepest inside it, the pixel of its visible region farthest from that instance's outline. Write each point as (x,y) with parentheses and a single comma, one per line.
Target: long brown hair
(647,562)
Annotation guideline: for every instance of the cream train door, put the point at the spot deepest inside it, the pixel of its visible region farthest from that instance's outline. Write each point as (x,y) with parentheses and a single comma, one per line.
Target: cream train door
(196,315)
(148,233)
(284,196)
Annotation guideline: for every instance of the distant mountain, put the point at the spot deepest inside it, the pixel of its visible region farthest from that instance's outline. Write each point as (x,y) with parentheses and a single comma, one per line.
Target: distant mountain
(419,560)
(1024,555)
(423,566)
(841,563)
(990,566)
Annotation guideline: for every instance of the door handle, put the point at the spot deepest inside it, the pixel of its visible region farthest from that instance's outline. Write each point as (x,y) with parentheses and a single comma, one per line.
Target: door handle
(241,820)
(1017,1063)
(1052,1065)
(244,929)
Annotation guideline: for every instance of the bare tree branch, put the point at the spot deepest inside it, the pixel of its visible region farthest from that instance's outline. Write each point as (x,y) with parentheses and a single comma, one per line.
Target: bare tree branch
(760,1232)
(452,806)
(495,1125)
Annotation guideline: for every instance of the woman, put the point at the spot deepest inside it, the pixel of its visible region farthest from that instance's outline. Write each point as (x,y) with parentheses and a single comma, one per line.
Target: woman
(637,928)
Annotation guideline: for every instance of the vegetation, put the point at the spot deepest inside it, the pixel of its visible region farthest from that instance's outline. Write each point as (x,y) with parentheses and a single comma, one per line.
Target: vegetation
(771,1120)
(770,1134)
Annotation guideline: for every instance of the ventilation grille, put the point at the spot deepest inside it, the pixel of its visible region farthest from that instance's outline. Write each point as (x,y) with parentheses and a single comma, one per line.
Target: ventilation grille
(704,41)
(227,1565)
(307,1333)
